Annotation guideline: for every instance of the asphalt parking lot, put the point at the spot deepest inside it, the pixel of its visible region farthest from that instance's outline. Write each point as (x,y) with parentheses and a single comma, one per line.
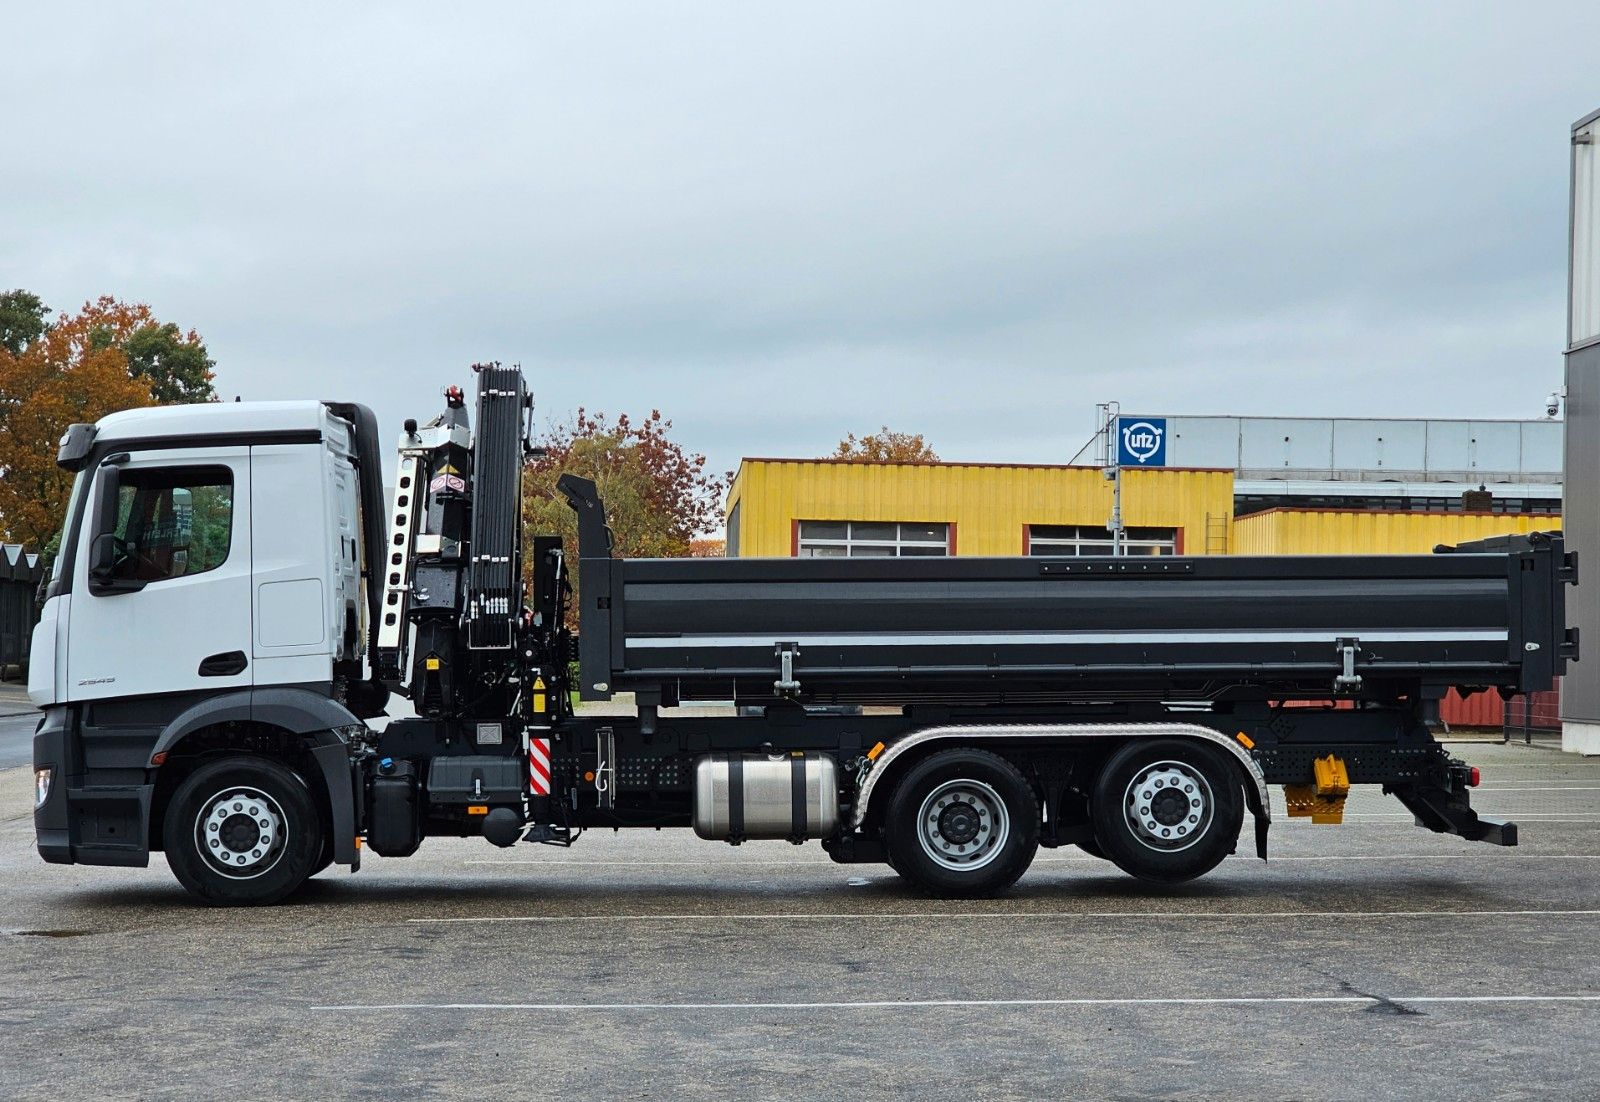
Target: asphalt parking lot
(1372,960)
(17,721)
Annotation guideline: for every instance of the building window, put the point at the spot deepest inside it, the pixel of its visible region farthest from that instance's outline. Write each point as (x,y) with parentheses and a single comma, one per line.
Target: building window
(863,539)
(1070,539)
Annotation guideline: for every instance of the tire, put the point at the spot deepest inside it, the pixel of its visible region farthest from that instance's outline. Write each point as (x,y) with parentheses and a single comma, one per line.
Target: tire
(1092,848)
(962,824)
(1191,822)
(262,808)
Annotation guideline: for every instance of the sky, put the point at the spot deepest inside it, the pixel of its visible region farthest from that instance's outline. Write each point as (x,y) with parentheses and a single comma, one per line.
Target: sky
(779,223)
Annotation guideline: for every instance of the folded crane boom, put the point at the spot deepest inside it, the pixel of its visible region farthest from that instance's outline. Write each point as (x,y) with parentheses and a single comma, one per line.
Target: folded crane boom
(494,582)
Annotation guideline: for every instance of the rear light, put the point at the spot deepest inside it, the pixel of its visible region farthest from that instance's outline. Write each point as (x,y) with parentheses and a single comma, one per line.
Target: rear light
(41,786)
(1473,777)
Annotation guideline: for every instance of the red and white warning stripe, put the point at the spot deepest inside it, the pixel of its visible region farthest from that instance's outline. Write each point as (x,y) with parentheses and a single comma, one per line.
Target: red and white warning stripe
(539,766)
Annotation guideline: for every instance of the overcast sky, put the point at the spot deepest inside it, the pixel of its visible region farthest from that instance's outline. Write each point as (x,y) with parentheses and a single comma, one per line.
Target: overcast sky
(780,223)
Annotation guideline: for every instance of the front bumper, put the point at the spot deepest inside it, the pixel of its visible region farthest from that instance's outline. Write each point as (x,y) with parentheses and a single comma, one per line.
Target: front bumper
(87,825)
(51,821)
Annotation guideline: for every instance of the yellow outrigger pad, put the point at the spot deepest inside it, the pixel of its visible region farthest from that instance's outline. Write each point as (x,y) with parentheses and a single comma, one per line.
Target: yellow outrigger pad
(1322,800)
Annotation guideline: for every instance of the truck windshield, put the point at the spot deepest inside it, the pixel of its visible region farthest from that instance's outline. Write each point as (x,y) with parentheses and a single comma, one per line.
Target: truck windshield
(61,536)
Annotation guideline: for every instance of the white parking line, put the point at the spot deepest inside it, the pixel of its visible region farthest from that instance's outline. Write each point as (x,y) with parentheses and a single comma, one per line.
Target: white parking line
(992,916)
(821,863)
(1550,788)
(1373,819)
(926,1004)
(1476,855)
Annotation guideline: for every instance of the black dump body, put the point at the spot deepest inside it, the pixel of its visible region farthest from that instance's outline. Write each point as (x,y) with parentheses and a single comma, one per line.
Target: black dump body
(1040,629)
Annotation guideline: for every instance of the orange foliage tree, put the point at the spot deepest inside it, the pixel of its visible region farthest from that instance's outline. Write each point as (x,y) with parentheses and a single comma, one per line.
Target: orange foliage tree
(658,495)
(886,446)
(79,369)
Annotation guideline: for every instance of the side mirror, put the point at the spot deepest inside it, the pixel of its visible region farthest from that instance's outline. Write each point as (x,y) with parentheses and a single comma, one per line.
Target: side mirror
(106,551)
(104,555)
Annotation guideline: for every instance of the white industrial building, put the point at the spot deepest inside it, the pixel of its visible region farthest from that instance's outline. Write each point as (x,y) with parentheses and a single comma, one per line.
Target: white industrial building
(1373,463)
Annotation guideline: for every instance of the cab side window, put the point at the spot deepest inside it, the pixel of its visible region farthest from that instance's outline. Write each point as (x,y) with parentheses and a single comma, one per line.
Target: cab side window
(172,522)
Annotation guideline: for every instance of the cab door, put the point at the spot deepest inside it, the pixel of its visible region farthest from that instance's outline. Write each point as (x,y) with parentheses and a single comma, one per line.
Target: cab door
(161,586)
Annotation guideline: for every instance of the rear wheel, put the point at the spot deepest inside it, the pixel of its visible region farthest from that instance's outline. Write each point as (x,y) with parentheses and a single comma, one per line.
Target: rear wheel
(1167,811)
(243,831)
(962,824)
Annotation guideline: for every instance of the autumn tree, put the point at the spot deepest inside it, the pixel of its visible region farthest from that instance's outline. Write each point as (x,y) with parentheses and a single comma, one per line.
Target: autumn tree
(886,446)
(658,496)
(78,369)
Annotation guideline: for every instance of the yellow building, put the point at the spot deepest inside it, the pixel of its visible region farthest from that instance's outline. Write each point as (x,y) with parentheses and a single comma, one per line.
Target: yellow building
(1348,532)
(840,507)
(836,507)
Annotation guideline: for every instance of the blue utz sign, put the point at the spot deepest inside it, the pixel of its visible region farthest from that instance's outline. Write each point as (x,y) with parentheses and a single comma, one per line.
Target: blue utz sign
(1141,441)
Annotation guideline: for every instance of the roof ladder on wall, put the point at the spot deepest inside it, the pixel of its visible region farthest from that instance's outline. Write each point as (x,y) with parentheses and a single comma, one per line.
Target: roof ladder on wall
(1216,533)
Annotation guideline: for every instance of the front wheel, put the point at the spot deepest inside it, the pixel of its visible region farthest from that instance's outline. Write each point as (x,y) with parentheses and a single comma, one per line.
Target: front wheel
(1167,811)
(242,831)
(962,824)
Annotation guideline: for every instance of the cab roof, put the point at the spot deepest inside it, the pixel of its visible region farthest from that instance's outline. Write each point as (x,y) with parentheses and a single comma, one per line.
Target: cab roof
(213,418)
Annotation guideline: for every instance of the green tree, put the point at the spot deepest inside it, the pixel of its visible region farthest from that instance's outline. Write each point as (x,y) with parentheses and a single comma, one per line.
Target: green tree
(175,364)
(22,322)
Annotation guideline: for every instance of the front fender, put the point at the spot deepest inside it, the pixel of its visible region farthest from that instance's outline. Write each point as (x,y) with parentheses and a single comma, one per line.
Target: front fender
(316,719)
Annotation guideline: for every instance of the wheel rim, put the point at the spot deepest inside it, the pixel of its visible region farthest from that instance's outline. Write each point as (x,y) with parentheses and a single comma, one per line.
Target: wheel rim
(1168,806)
(963,825)
(241,832)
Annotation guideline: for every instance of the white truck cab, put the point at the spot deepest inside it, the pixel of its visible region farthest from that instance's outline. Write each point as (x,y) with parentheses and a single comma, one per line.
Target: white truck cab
(206,547)
(212,576)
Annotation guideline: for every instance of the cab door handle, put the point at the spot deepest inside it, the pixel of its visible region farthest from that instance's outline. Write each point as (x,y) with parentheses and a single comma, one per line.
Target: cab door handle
(223,665)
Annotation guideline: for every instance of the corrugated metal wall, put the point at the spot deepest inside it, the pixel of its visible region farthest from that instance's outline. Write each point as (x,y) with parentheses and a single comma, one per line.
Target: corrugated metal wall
(1582,700)
(1484,711)
(20,574)
(989,504)
(1339,532)
(1536,711)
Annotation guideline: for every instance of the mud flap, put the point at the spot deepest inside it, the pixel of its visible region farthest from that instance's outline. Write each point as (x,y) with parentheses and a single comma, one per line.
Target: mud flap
(338,778)
(1263,817)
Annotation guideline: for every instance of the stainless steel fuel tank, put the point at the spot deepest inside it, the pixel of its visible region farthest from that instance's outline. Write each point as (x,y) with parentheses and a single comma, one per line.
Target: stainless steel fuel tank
(744,796)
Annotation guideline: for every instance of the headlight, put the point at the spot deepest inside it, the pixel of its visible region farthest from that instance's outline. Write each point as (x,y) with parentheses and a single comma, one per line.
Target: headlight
(41,786)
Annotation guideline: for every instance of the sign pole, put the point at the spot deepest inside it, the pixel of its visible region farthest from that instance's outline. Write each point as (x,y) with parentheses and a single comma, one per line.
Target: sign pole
(1112,469)
(1133,441)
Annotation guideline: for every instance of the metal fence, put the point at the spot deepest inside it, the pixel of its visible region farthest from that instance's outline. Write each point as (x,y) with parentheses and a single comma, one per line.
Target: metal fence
(20,574)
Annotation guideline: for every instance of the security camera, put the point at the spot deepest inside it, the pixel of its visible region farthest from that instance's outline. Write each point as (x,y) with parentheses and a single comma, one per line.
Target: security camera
(1552,405)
